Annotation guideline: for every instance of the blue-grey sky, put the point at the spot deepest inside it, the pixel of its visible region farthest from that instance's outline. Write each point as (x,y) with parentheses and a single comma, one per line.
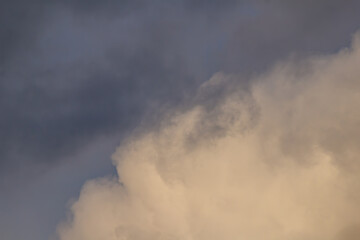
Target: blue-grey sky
(77,77)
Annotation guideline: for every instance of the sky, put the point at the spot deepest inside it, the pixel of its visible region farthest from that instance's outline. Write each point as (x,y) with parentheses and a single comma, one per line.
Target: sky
(142,120)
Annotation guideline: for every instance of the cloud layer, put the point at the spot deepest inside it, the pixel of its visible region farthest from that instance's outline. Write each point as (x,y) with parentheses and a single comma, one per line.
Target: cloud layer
(277,161)
(74,71)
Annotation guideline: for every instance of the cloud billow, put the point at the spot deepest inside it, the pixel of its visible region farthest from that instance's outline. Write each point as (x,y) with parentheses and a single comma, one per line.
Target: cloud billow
(284,164)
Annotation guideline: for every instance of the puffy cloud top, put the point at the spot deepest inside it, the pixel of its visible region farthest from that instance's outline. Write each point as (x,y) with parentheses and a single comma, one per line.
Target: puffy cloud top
(277,161)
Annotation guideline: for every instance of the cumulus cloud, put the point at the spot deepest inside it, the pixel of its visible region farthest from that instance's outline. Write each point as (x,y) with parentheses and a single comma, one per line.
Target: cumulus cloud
(279,160)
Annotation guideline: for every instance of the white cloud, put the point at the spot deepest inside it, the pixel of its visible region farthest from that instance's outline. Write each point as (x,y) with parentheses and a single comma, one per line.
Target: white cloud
(277,162)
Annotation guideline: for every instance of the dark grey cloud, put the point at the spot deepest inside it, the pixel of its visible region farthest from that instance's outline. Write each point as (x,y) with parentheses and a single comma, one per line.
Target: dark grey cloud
(74,70)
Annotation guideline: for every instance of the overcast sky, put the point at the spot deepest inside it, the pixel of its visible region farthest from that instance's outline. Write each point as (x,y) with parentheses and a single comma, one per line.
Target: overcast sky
(78,77)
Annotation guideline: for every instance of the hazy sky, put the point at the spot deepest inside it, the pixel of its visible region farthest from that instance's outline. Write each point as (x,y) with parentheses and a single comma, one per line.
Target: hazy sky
(80,78)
